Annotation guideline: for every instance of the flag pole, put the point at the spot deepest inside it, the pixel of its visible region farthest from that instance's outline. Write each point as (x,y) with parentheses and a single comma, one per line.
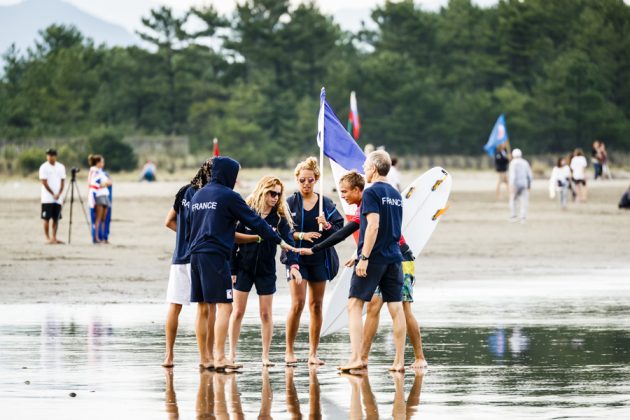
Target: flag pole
(320,126)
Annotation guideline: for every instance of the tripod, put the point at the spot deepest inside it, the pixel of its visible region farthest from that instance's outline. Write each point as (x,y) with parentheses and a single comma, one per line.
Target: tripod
(73,186)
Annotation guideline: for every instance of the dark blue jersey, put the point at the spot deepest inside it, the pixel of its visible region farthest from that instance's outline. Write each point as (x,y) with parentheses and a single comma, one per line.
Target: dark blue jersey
(385,200)
(216,208)
(260,258)
(182,234)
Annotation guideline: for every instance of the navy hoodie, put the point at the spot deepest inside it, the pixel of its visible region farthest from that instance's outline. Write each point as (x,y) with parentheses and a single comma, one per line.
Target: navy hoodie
(182,235)
(216,208)
(260,258)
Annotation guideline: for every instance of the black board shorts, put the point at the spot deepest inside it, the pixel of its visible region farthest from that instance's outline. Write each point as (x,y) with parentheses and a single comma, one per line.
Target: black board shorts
(388,277)
(312,273)
(210,279)
(265,284)
(51,211)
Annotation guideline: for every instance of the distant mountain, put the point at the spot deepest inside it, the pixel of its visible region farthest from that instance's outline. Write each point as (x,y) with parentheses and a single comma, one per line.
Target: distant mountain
(20,23)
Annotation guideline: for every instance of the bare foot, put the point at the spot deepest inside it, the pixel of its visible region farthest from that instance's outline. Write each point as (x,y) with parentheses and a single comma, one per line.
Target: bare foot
(397,367)
(57,241)
(351,365)
(314,360)
(419,364)
(267,363)
(364,361)
(168,361)
(290,359)
(224,363)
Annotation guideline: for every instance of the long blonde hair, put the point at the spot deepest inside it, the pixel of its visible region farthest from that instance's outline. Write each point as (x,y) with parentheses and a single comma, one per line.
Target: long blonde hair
(257,198)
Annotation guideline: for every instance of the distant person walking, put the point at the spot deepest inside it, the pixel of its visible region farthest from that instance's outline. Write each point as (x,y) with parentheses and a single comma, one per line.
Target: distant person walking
(560,182)
(578,166)
(520,181)
(501,162)
(393,177)
(596,159)
(52,175)
(603,154)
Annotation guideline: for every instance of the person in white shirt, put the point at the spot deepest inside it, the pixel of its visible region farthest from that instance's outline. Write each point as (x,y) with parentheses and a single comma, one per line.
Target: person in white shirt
(393,177)
(52,174)
(578,165)
(520,181)
(560,181)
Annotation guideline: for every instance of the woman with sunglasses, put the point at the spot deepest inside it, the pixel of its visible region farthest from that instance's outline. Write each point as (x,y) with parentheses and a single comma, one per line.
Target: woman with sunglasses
(315,269)
(254,263)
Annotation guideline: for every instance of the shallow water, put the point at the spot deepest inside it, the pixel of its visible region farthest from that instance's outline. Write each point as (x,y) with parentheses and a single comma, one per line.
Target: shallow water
(532,349)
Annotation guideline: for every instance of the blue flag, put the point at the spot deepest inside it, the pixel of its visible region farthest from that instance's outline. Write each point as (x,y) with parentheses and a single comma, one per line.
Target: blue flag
(339,145)
(499,135)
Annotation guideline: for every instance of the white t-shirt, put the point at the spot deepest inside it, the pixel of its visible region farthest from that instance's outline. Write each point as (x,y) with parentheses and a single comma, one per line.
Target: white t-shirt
(578,164)
(53,174)
(393,177)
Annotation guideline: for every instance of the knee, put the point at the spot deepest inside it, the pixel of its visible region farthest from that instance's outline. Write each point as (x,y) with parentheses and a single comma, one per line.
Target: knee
(238,313)
(298,305)
(265,316)
(316,307)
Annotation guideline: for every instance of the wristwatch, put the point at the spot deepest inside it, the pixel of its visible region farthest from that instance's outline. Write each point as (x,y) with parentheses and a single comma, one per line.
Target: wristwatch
(363,257)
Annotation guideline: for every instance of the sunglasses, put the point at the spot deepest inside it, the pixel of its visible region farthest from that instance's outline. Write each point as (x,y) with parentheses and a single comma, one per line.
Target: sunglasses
(274,194)
(304,180)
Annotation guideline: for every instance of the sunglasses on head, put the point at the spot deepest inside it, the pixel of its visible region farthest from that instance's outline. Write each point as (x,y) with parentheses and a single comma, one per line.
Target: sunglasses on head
(274,194)
(309,180)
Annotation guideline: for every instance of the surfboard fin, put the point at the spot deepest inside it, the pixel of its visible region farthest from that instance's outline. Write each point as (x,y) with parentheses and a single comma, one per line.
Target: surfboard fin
(410,192)
(437,183)
(440,212)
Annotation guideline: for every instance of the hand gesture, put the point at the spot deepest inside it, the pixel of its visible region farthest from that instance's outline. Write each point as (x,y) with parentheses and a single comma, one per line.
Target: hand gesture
(306,251)
(285,246)
(311,236)
(361,269)
(350,262)
(295,275)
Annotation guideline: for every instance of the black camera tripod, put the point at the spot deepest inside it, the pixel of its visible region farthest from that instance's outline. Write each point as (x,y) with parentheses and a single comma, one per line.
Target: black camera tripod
(73,186)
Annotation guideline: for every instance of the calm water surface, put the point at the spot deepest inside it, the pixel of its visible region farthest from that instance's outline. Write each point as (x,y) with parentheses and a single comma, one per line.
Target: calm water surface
(553,353)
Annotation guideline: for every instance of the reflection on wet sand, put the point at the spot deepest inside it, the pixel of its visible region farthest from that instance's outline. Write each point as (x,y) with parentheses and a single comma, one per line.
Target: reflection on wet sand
(293,400)
(218,396)
(170,399)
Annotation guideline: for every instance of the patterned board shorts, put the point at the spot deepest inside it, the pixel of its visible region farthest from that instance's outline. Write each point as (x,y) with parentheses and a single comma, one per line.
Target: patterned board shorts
(409,279)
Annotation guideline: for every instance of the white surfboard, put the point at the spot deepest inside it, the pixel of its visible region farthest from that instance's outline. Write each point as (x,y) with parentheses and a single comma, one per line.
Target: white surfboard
(424,201)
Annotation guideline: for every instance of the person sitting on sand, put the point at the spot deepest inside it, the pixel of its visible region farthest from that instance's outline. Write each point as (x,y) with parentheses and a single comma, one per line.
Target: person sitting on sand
(379,260)
(254,263)
(351,187)
(178,291)
(215,209)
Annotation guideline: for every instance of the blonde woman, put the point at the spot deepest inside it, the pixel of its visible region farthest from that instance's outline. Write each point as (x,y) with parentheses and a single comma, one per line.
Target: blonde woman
(315,269)
(254,263)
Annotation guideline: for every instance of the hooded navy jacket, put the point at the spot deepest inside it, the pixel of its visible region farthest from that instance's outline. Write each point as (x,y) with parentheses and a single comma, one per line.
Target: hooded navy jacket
(216,208)
(260,258)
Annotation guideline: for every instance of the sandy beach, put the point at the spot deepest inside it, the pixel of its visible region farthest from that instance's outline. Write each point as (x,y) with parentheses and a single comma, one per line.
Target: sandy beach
(473,241)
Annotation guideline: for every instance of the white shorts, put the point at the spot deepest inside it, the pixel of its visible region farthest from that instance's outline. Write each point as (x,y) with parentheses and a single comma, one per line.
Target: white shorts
(178,290)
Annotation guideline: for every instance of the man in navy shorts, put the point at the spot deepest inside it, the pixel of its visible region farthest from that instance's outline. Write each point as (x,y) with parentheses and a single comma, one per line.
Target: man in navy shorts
(215,209)
(379,259)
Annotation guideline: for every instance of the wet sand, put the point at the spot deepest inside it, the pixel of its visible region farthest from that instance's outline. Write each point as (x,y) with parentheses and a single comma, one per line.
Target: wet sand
(519,321)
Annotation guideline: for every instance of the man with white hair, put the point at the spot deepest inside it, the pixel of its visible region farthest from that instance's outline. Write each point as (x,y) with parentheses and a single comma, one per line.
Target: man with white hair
(379,261)
(520,180)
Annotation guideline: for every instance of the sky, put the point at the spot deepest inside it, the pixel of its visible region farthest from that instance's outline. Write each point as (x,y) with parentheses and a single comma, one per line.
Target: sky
(127,13)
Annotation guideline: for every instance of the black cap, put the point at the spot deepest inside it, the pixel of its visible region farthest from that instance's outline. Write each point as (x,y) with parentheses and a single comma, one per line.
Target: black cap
(51,152)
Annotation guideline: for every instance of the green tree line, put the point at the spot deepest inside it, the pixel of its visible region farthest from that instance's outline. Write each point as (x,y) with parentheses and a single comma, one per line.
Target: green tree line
(427,82)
